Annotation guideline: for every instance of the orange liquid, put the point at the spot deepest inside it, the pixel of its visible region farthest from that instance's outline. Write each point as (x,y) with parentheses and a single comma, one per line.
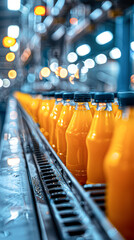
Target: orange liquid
(41,110)
(115,107)
(98,141)
(34,108)
(45,117)
(118,115)
(61,127)
(76,159)
(119,169)
(52,125)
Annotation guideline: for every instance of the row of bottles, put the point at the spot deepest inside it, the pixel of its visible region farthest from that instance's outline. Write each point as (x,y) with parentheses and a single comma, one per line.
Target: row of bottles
(93,136)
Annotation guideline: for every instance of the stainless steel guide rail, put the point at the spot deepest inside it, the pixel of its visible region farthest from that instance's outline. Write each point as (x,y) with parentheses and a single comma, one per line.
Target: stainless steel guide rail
(74,212)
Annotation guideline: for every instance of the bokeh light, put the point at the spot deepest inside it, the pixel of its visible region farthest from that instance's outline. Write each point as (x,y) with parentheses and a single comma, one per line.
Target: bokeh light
(10,57)
(39,10)
(45,72)
(8,42)
(12,74)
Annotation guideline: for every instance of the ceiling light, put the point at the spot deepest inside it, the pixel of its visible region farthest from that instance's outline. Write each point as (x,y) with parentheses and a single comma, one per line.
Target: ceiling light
(45,72)
(72,57)
(101,59)
(83,50)
(115,53)
(132,45)
(96,14)
(89,63)
(53,66)
(8,42)
(73,21)
(84,70)
(39,10)
(106,5)
(104,37)
(13,31)
(13,4)
(15,47)
(10,57)
(1,83)
(63,73)
(72,68)
(12,74)
(6,83)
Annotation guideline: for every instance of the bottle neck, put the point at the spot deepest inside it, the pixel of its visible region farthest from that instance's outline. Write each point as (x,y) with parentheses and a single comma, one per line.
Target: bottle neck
(69,102)
(104,107)
(58,100)
(82,106)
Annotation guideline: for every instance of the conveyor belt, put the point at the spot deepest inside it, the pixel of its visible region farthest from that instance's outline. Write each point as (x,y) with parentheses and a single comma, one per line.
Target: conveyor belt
(74,212)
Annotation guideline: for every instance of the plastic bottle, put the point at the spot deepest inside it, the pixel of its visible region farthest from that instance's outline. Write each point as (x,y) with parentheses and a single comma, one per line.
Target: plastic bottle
(76,158)
(115,104)
(99,137)
(62,124)
(54,115)
(92,104)
(35,104)
(119,170)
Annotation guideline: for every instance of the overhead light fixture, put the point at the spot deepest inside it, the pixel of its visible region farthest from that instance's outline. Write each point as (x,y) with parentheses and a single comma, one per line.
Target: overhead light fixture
(101,59)
(72,57)
(73,21)
(45,72)
(96,14)
(89,63)
(13,31)
(58,33)
(1,83)
(40,10)
(104,37)
(6,83)
(83,50)
(41,28)
(8,42)
(72,68)
(53,66)
(12,74)
(115,53)
(132,45)
(15,47)
(106,5)
(13,5)
(84,70)
(10,57)
(63,73)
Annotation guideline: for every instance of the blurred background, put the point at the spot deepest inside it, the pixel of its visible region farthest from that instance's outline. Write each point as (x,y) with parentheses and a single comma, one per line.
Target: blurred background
(65,44)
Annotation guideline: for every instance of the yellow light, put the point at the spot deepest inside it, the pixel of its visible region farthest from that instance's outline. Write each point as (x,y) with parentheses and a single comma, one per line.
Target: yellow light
(8,42)
(12,74)
(39,10)
(73,21)
(57,72)
(45,72)
(10,56)
(63,73)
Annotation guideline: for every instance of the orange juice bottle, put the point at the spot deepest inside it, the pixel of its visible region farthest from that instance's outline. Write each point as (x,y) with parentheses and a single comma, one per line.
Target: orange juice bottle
(92,104)
(115,104)
(54,115)
(76,157)
(119,111)
(119,170)
(41,107)
(48,106)
(35,106)
(99,137)
(62,124)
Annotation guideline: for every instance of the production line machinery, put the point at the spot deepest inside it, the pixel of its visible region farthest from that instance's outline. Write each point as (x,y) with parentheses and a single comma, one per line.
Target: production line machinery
(40,199)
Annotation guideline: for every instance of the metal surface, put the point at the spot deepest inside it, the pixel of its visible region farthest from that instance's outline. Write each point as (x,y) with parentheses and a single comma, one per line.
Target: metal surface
(17,212)
(74,212)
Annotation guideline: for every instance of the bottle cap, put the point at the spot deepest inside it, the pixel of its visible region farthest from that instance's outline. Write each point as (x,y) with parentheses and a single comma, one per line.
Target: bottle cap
(68,95)
(48,94)
(82,97)
(126,98)
(103,97)
(58,94)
